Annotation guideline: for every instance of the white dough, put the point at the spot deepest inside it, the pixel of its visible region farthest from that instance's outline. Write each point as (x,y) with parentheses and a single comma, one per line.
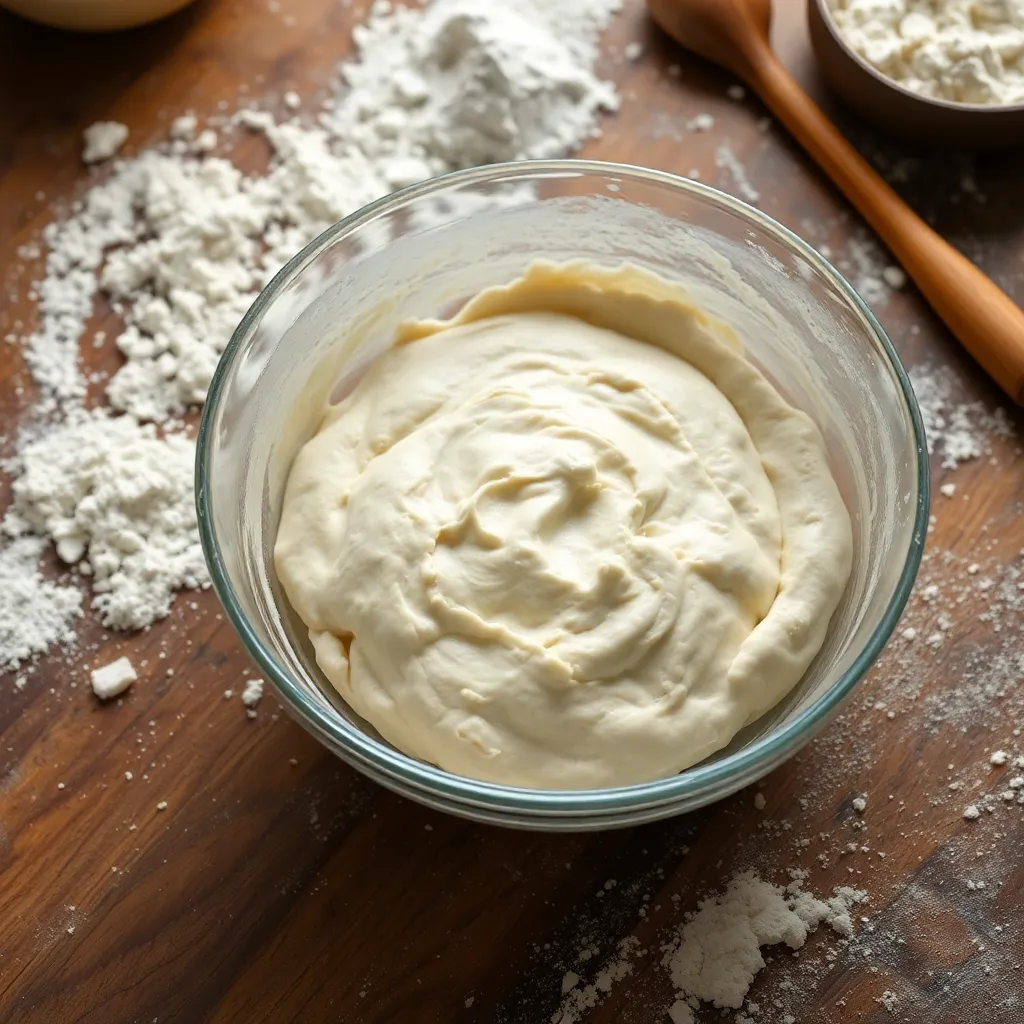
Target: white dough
(570,539)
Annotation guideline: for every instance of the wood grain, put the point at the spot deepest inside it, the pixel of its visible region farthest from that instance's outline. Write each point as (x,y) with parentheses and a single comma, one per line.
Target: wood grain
(279,885)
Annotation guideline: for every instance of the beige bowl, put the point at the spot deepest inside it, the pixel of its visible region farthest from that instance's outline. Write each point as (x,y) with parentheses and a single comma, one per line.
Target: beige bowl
(906,115)
(94,15)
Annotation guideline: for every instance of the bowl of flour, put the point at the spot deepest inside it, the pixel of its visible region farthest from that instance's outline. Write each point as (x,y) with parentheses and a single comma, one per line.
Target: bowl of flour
(938,72)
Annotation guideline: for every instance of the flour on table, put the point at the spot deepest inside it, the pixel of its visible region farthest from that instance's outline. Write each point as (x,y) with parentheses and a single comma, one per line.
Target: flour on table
(35,613)
(719,948)
(179,242)
(118,503)
(462,83)
(189,242)
(102,140)
(716,954)
(251,696)
(578,998)
(868,268)
(112,679)
(957,431)
(726,160)
(680,1013)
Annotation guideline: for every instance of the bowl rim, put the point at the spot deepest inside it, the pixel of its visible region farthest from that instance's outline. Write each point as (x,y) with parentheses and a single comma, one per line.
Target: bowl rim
(747,762)
(989,109)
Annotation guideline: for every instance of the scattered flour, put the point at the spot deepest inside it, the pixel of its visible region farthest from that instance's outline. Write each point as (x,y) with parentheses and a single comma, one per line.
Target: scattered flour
(719,947)
(964,51)
(118,502)
(188,242)
(462,83)
(867,267)
(715,955)
(957,431)
(112,679)
(102,140)
(35,614)
(578,999)
(252,693)
(894,277)
(889,1000)
(726,160)
(179,242)
(251,696)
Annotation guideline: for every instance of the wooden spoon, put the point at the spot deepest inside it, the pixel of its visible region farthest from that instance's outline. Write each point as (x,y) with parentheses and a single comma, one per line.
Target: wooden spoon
(734,33)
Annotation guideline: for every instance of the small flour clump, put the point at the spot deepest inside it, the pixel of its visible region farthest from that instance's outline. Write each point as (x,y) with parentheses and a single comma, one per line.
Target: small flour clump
(118,503)
(112,679)
(963,51)
(251,696)
(102,140)
(35,614)
(719,948)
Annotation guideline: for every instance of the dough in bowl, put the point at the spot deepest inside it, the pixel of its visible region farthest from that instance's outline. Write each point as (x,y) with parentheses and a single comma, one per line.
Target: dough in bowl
(571,538)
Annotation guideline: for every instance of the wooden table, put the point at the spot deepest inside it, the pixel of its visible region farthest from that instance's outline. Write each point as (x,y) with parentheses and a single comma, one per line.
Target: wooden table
(278,885)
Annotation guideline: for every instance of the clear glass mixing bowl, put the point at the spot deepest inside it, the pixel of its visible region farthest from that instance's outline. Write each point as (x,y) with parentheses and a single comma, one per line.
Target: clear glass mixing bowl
(420,252)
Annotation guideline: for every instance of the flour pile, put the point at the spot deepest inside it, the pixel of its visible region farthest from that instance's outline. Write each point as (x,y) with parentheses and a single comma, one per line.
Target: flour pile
(719,951)
(716,953)
(118,503)
(180,242)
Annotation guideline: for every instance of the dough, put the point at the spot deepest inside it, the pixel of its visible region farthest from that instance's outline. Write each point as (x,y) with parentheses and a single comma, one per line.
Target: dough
(570,539)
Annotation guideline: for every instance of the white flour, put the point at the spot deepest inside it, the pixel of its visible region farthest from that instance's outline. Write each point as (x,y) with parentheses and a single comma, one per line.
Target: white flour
(966,51)
(726,160)
(466,83)
(252,695)
(113,679)
(180,243)
(118,503)
(190,240)
(35,614)
(719,951)
(957,431)
(716,954)
(577,999)
(102,140)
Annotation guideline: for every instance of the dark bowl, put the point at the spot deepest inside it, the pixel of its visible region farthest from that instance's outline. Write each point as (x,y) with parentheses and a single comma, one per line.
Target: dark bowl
(899,112)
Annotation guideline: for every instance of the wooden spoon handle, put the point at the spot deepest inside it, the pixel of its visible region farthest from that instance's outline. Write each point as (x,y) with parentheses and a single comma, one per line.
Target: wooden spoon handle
(987,321)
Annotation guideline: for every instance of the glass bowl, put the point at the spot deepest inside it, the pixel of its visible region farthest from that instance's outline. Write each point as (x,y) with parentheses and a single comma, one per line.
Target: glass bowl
(419,253)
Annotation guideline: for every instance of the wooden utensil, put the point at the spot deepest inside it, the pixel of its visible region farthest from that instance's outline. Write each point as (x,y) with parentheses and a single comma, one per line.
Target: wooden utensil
(734,34)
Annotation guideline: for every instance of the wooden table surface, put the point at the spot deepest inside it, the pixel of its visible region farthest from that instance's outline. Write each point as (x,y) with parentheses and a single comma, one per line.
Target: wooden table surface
(279,885)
